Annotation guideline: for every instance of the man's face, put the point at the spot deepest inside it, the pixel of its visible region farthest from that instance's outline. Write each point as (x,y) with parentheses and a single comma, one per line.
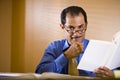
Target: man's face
(76,27)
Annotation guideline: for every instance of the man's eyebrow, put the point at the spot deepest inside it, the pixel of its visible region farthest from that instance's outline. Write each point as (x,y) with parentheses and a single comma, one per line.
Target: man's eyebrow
(81,26)
(78,25)
(70,26)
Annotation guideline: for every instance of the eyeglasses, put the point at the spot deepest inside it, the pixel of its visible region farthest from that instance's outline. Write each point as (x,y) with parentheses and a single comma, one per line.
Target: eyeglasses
(71,29)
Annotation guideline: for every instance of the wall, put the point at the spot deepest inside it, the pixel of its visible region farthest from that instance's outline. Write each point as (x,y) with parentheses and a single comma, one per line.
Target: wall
(12,35)
(43,19)
(17,38)
(5,35)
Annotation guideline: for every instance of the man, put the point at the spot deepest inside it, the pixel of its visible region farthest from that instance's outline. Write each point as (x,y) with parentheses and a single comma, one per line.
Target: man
(58,53)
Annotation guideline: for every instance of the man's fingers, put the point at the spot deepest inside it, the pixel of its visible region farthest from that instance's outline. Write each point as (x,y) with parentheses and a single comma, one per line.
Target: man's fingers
(79,47)
(105,69)
(104,72)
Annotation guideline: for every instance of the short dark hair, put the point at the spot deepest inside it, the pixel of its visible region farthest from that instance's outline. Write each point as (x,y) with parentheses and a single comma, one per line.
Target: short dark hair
(73,10)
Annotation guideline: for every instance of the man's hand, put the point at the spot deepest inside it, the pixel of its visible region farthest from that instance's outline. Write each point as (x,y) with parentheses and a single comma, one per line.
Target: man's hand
(74,50)
(103,72)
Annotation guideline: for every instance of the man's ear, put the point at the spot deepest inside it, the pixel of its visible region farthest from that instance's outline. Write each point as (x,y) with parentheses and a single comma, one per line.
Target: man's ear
(62,26)
(86,24)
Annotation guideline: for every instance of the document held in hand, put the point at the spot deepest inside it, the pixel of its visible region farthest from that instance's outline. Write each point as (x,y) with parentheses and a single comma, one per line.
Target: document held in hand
(100,53)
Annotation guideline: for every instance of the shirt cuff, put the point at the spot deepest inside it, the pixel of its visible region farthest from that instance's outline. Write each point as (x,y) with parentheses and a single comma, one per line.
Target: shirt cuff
(61,61)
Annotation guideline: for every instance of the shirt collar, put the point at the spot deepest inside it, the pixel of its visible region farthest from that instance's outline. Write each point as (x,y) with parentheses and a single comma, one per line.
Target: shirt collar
(66,45)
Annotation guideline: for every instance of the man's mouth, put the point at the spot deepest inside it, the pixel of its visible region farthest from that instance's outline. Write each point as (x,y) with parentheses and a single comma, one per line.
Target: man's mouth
(75,37)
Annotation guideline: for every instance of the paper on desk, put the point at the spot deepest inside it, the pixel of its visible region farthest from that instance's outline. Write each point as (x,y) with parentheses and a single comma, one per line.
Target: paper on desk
(10,74)
(117,73)
(20,75)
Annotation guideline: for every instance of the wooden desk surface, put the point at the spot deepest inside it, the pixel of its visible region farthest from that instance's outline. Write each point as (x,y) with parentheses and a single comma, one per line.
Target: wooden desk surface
(47,76)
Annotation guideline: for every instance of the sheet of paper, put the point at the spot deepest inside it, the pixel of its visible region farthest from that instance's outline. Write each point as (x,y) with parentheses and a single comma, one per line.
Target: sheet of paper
(115,59)
(10,74)
(20,76)
(96,54)
(117,74)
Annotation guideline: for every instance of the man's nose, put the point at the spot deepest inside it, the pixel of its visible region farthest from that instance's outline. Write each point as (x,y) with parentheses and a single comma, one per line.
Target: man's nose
(77,31)
(74,31)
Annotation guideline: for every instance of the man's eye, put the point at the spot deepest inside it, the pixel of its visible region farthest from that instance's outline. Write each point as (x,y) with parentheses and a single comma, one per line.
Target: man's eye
(71,27)
(81,26)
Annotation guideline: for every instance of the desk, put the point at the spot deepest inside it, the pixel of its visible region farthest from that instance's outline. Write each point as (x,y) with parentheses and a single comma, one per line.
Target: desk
(45,76)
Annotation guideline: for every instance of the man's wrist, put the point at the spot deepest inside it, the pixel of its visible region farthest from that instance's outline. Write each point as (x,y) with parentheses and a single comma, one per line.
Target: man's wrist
(67,55)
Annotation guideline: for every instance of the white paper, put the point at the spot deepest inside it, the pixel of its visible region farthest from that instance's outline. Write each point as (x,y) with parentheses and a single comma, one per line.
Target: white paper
(97,53)
(23,76)
(115,59)
(10,74)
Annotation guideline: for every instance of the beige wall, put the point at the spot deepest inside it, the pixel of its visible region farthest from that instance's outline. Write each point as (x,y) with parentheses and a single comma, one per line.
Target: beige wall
(43,19)
(5,35)
(27,26)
